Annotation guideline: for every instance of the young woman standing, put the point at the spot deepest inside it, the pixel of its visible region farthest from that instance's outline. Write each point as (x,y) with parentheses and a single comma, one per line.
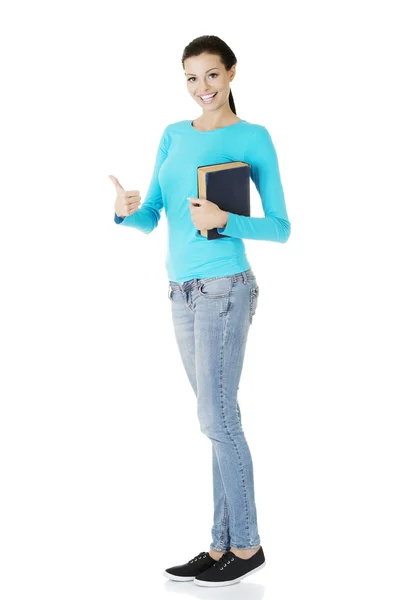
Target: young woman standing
(213,290)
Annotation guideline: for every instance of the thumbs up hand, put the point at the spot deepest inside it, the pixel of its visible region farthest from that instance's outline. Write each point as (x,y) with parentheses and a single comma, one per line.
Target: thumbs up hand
(127,202)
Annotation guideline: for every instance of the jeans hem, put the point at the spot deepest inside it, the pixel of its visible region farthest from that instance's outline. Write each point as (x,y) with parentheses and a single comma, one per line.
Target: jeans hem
(242,547)
(218,549)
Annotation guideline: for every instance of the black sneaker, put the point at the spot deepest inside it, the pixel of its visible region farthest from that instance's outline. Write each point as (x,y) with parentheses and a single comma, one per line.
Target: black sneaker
(189,570)
(231,569)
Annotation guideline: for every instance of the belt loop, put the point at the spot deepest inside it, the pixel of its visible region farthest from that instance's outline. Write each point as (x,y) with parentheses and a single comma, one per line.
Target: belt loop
(244,277)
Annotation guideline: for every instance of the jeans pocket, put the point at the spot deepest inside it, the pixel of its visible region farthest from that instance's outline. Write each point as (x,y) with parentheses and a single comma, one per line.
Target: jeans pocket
(170,291)
(217,287)
(254,293)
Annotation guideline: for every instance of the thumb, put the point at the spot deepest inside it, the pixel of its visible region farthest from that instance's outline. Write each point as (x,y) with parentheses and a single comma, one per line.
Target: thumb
(116,183)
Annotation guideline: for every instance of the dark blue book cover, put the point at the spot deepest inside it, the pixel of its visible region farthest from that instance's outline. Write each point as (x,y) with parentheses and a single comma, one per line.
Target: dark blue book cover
(228,186)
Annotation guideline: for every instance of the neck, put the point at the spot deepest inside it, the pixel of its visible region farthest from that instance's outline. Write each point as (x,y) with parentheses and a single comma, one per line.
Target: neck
(217,118)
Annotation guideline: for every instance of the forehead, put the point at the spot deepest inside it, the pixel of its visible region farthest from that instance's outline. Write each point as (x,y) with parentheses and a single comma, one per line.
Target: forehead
(202,63)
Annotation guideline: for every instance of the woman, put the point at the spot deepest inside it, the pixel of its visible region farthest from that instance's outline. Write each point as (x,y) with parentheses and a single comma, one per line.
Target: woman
(213,290)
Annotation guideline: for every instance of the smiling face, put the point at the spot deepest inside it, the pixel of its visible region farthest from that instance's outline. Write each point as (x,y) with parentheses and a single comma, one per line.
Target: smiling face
(206,75)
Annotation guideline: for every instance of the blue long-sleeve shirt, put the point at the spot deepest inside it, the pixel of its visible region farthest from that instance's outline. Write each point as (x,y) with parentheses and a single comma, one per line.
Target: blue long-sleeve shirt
(181,150)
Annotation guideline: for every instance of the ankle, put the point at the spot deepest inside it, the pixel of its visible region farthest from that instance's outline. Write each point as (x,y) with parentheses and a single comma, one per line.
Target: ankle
(216,555)
(247,553)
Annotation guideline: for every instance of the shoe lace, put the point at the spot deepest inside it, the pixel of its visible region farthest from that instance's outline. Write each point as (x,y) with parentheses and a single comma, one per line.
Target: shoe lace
(225,559)
(199,557)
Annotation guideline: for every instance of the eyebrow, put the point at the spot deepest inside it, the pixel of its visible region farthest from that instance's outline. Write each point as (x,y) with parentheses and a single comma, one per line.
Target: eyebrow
(206,71)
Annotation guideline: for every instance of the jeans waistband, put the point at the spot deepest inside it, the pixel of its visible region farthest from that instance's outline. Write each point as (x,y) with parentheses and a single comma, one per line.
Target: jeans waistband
(194,283)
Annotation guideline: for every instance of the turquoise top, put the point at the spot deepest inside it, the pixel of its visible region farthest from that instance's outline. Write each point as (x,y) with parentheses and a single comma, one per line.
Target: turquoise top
(181,150)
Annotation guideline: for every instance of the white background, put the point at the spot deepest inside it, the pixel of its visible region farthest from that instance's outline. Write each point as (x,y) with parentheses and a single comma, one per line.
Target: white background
(105,476)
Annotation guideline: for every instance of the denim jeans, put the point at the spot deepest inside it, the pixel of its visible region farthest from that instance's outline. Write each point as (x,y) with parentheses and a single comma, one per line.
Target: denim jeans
(211,319)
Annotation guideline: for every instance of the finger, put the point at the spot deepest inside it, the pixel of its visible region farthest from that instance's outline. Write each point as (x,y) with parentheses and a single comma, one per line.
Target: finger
(193,202)
(116,183)
(131,193)
(132,203)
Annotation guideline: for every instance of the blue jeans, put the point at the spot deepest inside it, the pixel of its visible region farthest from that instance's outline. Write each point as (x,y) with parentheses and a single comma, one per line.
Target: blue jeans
(211,319)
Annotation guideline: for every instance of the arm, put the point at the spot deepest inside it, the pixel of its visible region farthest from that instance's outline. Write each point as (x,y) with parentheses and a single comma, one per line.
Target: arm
(147,216)
(275,226)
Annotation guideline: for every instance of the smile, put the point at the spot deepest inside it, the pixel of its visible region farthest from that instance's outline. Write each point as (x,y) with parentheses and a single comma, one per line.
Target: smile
(208,98)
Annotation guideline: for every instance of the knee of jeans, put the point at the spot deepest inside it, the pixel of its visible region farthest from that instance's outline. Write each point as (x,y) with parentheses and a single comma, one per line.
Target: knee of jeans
(216,432)
(211,429)
(221,429)
(207,428)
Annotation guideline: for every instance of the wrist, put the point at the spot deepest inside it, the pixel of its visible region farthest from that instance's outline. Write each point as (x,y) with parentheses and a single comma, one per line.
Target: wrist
(224,218)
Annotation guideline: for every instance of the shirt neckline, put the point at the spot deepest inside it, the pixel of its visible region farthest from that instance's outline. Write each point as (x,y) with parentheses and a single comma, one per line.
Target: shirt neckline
(218,129)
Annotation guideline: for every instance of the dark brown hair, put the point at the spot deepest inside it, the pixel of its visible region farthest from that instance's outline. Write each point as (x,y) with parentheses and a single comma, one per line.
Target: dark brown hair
(211,44)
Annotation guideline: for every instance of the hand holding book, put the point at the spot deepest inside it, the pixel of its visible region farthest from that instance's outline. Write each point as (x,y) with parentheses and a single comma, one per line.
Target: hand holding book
(228,185)
(206,214)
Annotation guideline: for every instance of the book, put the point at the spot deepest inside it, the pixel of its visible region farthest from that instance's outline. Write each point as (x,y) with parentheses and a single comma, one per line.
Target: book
(228,186)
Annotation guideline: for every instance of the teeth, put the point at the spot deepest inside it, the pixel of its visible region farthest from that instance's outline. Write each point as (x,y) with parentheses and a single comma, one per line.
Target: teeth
(207,97)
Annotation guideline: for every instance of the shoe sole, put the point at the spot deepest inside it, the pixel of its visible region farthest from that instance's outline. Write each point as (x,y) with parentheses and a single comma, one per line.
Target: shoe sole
(177,577)
(221,583)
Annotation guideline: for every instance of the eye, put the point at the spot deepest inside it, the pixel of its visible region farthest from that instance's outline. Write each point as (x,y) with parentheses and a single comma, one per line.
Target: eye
(216,75)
